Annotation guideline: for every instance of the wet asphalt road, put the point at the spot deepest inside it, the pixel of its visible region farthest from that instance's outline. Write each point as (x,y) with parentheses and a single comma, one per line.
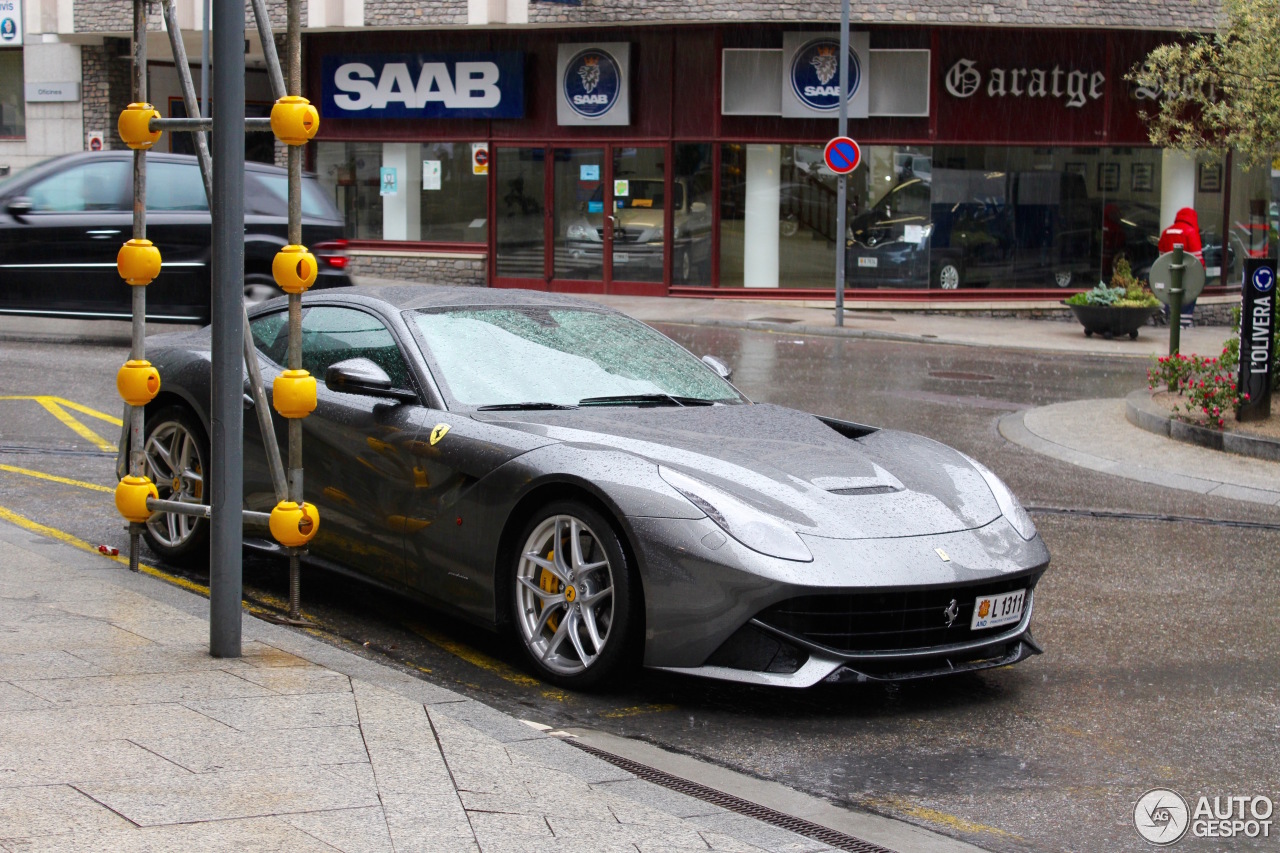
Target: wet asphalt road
(1161,639)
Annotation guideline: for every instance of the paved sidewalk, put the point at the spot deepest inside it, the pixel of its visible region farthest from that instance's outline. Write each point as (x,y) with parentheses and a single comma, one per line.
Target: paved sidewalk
(118,732)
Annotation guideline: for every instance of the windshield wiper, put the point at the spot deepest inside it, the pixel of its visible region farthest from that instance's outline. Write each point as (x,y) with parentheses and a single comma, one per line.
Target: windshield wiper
(660,399)
(516,407)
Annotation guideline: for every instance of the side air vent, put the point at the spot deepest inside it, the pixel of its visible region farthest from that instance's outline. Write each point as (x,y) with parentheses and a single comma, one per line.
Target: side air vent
(849,429)
(865,490)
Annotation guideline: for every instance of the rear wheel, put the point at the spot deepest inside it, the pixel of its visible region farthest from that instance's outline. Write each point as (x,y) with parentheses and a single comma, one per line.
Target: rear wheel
(259,288)
(1063,278)
(177,452)
(948,276)
(572,601)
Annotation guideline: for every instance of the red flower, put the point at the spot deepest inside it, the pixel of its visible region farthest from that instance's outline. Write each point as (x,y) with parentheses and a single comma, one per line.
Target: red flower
(1221,422)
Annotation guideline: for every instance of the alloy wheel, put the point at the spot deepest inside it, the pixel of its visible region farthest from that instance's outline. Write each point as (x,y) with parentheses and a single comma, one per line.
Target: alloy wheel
(564,595)
(949,277)
(175,466)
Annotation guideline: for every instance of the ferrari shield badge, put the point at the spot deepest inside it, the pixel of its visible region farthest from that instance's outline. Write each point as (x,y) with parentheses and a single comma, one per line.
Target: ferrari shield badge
(440,431)
(941,553)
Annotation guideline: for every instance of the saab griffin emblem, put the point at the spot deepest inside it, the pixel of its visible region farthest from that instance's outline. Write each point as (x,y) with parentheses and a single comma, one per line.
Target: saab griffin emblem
(592,83)
(440,431)
(815,71)
(941,553)
(952,611)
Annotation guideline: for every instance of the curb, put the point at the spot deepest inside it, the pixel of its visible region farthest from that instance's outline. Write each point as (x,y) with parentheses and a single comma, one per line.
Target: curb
(1142,413)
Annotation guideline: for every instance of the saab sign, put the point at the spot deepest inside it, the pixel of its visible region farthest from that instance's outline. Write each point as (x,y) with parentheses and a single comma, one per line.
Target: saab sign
(594,84)
(424,85)
(811,88)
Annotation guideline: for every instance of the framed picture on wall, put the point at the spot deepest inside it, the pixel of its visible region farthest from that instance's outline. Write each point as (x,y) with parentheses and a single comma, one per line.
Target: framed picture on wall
(1081,169)
(1108,177)
(1209,177)
(1141,177)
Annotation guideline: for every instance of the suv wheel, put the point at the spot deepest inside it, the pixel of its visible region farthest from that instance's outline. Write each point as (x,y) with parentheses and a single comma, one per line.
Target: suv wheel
(948,276)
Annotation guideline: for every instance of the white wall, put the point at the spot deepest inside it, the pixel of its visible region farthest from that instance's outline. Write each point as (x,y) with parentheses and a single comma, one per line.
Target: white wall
(52,128)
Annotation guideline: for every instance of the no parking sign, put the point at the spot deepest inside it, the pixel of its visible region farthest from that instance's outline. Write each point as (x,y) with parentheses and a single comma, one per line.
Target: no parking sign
(842,155)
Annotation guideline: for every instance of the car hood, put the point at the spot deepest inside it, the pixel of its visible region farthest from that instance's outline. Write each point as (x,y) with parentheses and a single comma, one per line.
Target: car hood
(819,477)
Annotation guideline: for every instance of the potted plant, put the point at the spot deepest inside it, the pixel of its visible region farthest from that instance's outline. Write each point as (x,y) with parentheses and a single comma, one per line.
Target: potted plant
(1120,309)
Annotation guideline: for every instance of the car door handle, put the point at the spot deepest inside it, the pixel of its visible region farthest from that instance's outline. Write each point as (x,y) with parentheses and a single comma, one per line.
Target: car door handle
(104,233)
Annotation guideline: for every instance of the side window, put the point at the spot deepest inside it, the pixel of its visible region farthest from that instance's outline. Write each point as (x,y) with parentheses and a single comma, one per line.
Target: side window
(175,186)
(83,188)
(331,334)
(271,335)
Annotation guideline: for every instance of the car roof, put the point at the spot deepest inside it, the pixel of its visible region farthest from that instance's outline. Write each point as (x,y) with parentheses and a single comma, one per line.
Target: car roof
(56,163)
(411,297)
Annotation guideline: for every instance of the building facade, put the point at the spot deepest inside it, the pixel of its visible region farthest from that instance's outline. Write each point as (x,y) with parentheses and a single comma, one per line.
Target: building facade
(676,147)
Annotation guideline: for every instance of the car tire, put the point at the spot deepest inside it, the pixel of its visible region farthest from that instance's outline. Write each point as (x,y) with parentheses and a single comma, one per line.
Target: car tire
(177,451)
(789,225)
(573,610)
(948,276)
(1063,278)
(259,288)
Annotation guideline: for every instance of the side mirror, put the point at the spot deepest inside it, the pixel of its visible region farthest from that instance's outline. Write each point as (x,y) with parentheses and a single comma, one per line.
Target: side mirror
(364,377)
(698,207)
(19,206)
(719,367)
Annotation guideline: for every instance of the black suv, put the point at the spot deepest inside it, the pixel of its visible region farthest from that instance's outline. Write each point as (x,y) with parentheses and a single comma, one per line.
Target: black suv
(62,223)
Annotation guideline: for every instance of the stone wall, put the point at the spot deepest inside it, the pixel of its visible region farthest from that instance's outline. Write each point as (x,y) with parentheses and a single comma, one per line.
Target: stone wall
(1154,14)
(112,17)
(427,268)
(412,13)
(106,87)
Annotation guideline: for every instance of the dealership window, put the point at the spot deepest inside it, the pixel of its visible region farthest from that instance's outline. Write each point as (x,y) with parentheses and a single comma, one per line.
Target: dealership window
(693,182)
(13,121)
(436,195)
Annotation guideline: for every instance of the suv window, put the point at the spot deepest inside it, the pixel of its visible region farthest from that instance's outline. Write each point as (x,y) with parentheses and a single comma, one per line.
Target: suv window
(87,187)
(331,334)
(175,186)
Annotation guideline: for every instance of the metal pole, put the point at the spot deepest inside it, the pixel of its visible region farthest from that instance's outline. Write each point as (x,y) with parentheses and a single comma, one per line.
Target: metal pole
(293,56)
(227,421)
(274,76)
(204,111)
(842,129)
(137,349)
(1175,300)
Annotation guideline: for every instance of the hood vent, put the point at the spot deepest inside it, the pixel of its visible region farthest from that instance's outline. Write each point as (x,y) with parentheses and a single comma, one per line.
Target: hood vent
(865,490)
(849,429)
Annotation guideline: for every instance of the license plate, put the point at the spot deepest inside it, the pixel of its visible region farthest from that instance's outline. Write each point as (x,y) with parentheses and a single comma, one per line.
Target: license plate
(621,258)
(992,611)
(869,262)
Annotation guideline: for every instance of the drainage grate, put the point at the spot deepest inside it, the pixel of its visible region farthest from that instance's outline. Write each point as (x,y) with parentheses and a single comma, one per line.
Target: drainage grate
(799,826)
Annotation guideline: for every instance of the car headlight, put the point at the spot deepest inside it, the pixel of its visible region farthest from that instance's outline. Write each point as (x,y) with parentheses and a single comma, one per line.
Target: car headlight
(582,231)
(748,525)
(1009,506)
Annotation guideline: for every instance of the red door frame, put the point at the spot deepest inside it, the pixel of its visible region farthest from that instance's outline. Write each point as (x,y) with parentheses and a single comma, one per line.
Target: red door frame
(548,281)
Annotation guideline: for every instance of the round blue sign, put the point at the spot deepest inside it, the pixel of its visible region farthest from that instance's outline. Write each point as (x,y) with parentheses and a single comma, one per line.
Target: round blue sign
(592,83)
(815,74)
(1264,278)
(8,29)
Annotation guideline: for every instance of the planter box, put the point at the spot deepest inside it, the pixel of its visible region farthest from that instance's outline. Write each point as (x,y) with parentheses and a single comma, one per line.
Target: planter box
(1111,322)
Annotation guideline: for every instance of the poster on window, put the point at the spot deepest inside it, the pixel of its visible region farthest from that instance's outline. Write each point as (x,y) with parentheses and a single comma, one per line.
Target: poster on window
(431,174)
(387,181)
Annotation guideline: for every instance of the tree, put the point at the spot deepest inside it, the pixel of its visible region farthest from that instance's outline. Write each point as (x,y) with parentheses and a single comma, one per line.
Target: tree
(1222,89)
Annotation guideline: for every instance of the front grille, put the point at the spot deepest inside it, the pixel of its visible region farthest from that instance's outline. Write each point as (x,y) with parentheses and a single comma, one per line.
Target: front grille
(905,620)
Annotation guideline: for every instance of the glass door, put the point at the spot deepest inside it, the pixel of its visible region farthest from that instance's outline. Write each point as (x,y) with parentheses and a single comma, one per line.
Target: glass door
(520,213)
(642,211)
(581,215)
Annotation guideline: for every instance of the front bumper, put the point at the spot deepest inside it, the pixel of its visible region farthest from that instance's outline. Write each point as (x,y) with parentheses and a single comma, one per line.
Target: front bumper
(704,605)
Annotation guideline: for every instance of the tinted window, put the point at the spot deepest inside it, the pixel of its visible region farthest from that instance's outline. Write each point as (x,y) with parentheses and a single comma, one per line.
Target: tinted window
(86,187)
(268,195)
(330,335)
(492,356)
(175,186)
(271,335)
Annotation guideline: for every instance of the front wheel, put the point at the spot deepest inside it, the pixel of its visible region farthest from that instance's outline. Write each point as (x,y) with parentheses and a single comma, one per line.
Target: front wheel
(177,453)
(572,600)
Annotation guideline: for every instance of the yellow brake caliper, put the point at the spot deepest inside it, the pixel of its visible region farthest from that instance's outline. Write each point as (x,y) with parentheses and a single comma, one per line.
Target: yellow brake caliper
(548,582)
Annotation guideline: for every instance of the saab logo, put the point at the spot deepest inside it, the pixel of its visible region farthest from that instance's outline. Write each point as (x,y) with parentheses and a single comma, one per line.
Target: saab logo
(440,431)
(8,29)
(592,82)
(479,85)
(815,74)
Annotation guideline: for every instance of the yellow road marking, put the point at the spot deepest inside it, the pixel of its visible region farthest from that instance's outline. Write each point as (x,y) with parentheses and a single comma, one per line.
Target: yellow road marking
(636,711)
(474,657)
(906,807)
(54,478)
(55,406)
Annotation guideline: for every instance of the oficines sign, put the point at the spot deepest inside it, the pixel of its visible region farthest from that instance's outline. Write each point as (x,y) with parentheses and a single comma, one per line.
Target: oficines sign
(423,85)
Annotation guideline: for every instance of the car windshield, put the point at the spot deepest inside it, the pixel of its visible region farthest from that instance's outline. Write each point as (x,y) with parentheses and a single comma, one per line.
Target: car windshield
(504,356)
(648,193)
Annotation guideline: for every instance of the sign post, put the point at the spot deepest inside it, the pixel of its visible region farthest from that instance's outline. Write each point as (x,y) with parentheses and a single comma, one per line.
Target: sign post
(842,130)
(1257,338)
